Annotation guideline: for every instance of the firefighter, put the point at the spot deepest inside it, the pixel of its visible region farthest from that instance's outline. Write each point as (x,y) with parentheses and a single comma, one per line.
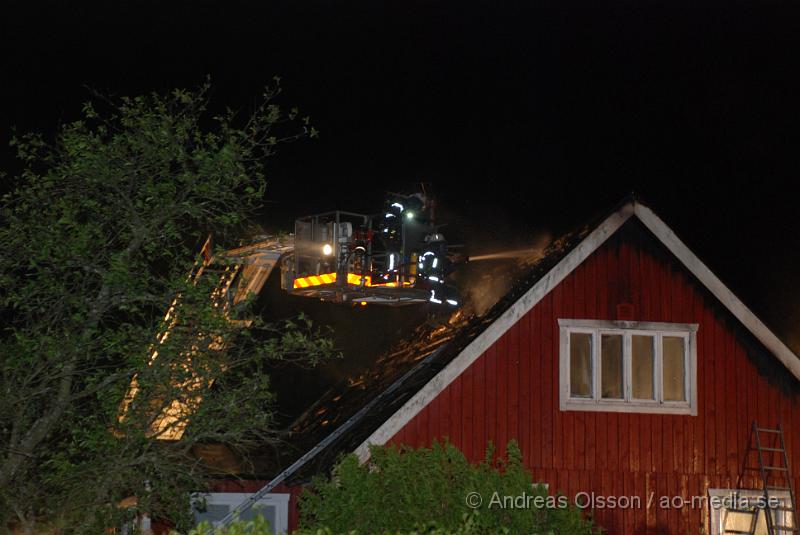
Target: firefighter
(399,232)
(390,231)
(432,268)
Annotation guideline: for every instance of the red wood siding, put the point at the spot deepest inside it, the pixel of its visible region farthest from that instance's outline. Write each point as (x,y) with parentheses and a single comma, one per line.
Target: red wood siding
(511,392)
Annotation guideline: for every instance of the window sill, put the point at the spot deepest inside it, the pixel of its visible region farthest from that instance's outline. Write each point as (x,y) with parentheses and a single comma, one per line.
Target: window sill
(628,407)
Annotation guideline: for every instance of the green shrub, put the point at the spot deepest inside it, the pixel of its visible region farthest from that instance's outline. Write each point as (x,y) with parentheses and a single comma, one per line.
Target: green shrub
(426,491)
(257,526)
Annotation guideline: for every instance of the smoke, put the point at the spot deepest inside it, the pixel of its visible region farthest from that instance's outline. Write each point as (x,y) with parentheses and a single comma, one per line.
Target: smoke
(488,276)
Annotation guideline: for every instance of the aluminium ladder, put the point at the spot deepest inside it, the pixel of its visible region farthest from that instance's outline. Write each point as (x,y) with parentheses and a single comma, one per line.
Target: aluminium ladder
(773,463)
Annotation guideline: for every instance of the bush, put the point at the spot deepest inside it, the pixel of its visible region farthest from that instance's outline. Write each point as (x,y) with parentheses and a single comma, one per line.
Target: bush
(257,526)
(470,525)
(426,491)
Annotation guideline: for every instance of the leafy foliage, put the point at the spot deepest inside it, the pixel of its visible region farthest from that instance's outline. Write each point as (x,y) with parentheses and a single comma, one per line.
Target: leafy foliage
(396,490)
(257,526)
(98,236)
(470,525)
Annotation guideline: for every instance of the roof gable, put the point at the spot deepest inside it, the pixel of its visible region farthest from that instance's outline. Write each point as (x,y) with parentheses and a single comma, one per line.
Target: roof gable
(407,379)
(550,280)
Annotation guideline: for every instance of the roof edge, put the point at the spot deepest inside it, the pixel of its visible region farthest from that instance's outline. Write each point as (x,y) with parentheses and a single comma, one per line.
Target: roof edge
(631,206)
(489,336)
(707,277)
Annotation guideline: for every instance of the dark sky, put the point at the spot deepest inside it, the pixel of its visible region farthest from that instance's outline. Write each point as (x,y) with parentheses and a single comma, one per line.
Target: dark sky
(524,116)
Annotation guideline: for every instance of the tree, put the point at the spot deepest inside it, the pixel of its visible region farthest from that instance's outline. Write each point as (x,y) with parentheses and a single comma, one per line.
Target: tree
(435,490)
(97,238)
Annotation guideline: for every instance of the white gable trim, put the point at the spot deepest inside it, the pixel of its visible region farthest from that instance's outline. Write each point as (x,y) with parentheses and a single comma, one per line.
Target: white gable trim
(716,287)
(488,337)
(558,273)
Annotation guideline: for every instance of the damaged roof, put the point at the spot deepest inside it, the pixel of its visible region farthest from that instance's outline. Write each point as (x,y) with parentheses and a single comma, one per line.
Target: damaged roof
(364,401)
(358,408)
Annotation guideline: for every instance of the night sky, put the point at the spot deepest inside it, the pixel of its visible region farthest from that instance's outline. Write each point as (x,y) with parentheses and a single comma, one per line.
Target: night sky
(524,117)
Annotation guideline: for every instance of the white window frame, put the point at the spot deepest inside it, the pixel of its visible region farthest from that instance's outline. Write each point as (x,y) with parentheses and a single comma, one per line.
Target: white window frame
(627,329)
(279,501)
(715,516)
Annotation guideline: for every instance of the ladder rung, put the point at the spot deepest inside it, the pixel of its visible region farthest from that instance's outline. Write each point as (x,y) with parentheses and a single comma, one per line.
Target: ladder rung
(764,448)
(765,430)
(743,511)
(781,508)
(776,468)
(773,468)
(737,531)
(777,488)
(784,528)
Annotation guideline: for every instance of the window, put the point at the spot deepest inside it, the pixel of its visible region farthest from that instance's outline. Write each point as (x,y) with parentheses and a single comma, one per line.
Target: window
(742,511)
(273,507)
(628,366)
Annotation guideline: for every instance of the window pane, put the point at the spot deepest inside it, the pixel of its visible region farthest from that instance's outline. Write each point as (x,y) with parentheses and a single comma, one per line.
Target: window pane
(674,369)
(611,367)
(212,513)
(643,363)
(580,365)
(267,511)
(741,521)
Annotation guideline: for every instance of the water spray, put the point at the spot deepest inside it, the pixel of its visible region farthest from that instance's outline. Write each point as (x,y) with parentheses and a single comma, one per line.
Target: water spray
(517,253)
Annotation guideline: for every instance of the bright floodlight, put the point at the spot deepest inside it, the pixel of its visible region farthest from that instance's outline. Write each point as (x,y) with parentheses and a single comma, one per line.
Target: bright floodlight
(327,250)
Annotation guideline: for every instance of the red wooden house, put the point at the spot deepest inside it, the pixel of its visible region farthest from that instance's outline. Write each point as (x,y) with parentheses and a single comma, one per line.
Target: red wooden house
(621,364)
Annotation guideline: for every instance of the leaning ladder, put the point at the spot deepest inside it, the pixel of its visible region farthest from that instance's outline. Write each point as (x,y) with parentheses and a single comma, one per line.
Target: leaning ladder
(771,468)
